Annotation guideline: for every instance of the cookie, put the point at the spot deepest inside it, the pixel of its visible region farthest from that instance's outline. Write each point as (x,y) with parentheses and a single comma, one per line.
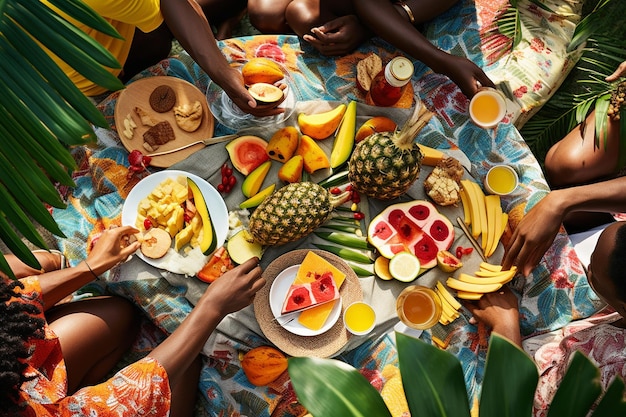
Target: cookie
(188,116)
(159,134)
(162,99)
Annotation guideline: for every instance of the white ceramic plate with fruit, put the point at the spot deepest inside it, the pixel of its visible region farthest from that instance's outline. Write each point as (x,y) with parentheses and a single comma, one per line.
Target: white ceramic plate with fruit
(215,204)
(278,293)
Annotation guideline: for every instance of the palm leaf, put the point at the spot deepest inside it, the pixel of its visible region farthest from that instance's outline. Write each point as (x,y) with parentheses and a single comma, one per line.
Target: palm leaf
(42,110)
(588,26)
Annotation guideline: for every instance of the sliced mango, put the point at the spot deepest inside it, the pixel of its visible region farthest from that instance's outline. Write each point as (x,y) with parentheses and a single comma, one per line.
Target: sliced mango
(321,125)
(344,140)
(252,183)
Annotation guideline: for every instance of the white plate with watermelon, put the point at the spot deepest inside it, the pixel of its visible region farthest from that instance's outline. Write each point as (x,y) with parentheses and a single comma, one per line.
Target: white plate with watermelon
(278,293)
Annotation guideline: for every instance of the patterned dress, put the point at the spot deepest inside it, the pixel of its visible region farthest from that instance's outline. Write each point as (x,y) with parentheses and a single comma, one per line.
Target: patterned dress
(140,389)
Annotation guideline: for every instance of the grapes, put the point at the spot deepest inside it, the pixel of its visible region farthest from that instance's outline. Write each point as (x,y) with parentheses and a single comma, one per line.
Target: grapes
(228,179)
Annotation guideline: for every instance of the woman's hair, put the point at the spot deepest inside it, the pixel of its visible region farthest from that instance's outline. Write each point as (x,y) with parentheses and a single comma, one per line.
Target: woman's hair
(18,325)
(617,263)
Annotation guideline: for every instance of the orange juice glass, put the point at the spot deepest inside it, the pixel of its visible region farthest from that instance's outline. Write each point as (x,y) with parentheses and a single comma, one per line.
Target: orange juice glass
(501,180)
(359,318)
(418,307)
(487,107)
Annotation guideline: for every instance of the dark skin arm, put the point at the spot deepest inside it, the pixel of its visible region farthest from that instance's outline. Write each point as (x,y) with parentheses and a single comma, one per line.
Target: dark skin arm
(231,292)
(536,232)
(384,20)
(499,311)
(111,248)
(190,27)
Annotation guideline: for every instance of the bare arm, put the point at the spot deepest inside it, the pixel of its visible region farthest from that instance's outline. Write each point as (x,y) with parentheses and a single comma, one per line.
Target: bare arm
(190,27)
(384,20)
(229,293)
(110,249)
(537,230)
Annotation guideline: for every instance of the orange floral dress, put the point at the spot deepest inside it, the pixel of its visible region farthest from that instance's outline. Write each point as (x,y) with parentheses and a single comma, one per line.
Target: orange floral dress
(140,389)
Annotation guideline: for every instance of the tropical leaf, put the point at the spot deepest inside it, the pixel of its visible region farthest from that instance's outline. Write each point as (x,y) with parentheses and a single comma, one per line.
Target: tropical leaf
(432,379)
(510,381)
(588,26)
(612,403)
(43,110)
(331,388)
(579,388)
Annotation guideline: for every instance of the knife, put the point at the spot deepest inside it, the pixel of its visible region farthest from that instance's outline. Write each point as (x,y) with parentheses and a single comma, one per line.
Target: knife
(473,241)
(204,142)
(292,315)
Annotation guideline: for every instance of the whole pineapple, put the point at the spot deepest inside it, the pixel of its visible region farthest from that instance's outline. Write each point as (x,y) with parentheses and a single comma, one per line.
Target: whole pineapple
(293,212)
(386,164)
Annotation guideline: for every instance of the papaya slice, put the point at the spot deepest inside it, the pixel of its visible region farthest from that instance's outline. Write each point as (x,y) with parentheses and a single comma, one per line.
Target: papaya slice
(247,153)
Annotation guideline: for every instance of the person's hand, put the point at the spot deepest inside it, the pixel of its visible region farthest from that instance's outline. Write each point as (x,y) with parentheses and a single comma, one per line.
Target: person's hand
(499,311)
(233,85)
(534,235)
(466,75)
(113,246)
(620,71)
(235,289)
(339,36)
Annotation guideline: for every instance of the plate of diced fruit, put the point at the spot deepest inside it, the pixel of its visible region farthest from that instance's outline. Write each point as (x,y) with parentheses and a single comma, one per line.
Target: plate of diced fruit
(182,220)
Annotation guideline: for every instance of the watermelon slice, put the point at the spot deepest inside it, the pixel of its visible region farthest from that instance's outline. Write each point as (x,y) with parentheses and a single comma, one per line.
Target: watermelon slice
(414,226)
(301,296)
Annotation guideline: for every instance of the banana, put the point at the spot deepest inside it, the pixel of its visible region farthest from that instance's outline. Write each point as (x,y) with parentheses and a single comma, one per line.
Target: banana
(468,287)
(445,295)
(490,267)
(468,186)
(469,295)
(489,274)
(496,279)
(467,212)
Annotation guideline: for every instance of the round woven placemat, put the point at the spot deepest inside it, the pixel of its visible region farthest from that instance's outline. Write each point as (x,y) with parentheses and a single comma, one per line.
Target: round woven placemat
(323,345)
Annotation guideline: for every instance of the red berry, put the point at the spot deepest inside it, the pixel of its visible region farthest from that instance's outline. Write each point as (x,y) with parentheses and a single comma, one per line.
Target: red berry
(359,216)
(467,251)
(335,190)
(225,180)
(228,172)
(146,160)
(147,224)
(459,252)
(232,181)
(220,187)
(227,188)
(135,158)
(223,169)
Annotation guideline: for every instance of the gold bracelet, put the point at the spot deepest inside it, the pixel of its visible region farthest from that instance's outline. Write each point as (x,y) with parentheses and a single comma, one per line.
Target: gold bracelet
(408,10)
(90,270)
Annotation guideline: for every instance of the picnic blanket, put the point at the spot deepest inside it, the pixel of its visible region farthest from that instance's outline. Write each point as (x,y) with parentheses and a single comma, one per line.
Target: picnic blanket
(555,294)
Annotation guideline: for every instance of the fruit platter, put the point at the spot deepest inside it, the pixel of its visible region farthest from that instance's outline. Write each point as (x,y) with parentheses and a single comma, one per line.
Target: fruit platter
(155,207)
(315,331)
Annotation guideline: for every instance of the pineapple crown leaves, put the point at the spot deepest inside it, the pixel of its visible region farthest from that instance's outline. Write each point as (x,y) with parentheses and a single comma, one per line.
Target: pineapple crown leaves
(414,124)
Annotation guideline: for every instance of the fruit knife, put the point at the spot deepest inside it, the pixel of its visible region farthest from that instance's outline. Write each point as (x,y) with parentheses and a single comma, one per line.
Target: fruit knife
(283,319)
(473,241)
(204,142)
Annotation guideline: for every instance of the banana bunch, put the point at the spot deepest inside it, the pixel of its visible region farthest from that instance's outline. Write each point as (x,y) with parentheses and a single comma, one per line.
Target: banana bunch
(449,305)
(488,278)
(484,214)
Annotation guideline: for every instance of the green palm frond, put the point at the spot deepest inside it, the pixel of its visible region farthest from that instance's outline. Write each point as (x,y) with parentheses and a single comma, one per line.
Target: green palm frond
(43,112)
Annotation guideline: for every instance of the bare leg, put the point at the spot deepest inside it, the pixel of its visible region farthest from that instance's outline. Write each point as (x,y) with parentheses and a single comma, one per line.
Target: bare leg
(223,14)
(185,393)
(94,334)
(268,16)
(146,50)
(576,160)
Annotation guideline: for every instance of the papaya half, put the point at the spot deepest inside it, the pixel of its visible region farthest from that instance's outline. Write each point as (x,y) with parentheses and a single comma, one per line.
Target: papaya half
(247,153)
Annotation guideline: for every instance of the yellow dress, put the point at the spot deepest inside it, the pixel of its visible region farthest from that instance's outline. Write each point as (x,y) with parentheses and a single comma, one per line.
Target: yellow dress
(124,16)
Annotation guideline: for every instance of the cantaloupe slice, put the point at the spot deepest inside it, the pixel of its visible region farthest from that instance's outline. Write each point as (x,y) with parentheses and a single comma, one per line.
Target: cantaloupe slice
(313,264)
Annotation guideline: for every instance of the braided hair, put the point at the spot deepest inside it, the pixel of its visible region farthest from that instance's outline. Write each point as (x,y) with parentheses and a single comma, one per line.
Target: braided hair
(18,325)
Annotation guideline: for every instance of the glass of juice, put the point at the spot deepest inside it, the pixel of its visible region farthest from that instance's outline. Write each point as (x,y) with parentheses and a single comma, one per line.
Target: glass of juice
(501,180)
(487,107)
(359,318)
(418,307)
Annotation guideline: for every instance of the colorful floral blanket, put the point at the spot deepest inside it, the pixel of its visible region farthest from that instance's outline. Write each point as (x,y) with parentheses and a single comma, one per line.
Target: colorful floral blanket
(555,294)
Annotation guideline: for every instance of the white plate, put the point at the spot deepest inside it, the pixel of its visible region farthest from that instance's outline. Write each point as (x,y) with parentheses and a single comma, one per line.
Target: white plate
(227,113)
(215,203)
(278,292)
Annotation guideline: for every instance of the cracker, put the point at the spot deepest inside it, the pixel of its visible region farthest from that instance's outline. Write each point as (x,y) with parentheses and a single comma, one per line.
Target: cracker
(189,116)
